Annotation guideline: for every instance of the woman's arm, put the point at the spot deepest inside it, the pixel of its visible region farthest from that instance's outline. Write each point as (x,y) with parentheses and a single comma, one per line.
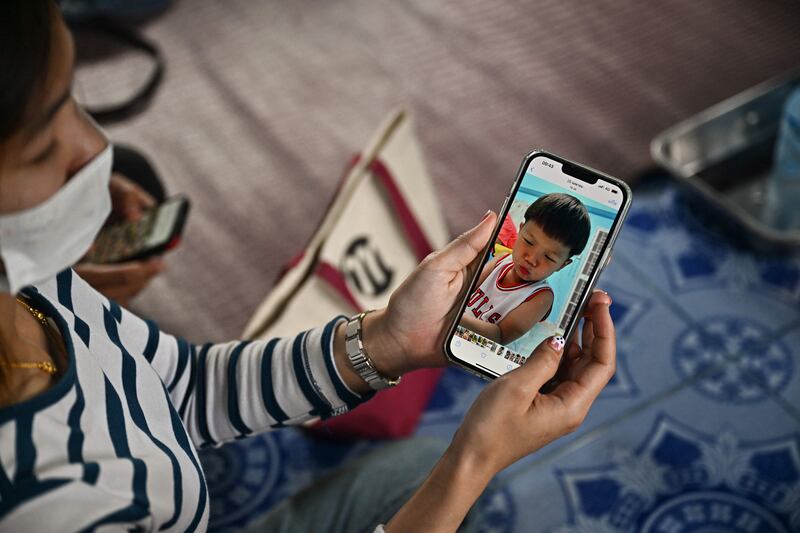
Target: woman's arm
(511,410)
(446,496)
(222,391)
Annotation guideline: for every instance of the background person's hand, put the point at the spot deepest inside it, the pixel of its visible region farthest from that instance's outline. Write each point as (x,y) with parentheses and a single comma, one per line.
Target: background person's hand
(409,333)
(123,281)
(511,410)
(128,200)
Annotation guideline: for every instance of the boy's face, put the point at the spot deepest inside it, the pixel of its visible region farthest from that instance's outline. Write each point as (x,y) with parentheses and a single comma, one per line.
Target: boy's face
(536,255)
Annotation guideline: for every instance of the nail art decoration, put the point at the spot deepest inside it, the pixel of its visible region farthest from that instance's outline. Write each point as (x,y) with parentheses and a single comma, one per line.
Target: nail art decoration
(557,343)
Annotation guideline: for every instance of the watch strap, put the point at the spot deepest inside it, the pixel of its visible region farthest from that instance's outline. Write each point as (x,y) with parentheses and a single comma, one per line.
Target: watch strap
(362,364)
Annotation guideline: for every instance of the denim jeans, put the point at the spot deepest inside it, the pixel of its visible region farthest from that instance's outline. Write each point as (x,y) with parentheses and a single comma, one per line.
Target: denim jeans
(362,494)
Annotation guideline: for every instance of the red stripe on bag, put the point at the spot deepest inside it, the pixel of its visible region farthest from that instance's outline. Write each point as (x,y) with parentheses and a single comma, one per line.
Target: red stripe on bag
(417,238)
(295,260)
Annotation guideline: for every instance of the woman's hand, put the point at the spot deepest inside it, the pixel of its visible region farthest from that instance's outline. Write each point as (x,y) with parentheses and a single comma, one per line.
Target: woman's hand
(128,200)
(409,333)
(123,281)
(511,419)
(512,410)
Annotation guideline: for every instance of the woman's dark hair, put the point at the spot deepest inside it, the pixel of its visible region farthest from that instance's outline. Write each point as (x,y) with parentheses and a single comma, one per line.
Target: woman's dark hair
(26,28)
(562,217)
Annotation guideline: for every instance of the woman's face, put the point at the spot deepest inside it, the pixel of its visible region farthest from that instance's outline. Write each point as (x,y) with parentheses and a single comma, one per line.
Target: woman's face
(56,139)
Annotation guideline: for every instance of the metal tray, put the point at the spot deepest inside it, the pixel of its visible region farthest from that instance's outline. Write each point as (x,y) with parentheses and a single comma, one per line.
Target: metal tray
(723,157)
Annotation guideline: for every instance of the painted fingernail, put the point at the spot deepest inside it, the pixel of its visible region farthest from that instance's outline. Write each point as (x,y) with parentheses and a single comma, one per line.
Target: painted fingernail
(557,343)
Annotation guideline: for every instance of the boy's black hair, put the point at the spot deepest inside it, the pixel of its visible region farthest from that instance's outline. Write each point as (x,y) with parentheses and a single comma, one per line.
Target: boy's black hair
(562,217)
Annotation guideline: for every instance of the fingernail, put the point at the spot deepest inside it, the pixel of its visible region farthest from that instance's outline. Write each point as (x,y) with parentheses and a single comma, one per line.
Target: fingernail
(485,216)
(557,343)
(609,296)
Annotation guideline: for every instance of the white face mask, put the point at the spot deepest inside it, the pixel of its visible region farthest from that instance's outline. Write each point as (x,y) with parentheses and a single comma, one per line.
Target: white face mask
(38,243)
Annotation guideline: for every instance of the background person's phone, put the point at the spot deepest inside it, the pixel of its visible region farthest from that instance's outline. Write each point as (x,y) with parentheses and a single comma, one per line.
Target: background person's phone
(553,239)
(157,231)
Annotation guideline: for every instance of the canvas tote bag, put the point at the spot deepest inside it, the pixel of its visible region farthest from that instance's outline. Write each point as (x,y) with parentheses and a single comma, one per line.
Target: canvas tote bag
(383,220)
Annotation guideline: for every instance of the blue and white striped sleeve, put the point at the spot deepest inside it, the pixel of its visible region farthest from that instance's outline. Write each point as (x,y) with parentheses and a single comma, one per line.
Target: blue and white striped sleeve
(230,390)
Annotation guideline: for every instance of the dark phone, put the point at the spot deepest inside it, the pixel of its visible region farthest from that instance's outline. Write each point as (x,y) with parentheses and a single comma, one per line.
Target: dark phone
(475,340)
(157,231)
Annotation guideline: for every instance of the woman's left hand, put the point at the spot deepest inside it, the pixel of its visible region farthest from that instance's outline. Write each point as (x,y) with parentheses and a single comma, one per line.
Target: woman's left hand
(128,200)
(409,333)
(123,281)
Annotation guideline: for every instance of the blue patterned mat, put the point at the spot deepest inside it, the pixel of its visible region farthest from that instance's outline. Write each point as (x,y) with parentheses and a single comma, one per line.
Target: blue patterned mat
(698,431)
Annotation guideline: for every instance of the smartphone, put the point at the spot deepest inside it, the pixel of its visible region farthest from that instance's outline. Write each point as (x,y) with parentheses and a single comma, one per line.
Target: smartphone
(157,231)
(554,237)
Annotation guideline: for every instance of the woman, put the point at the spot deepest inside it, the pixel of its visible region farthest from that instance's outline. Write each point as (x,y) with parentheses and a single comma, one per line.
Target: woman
(101,413)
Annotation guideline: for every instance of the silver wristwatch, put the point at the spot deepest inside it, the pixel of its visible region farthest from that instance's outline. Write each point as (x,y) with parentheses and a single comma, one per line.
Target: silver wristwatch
(358,357)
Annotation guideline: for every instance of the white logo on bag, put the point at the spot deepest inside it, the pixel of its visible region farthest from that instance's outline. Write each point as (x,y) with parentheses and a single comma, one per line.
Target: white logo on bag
(365,269)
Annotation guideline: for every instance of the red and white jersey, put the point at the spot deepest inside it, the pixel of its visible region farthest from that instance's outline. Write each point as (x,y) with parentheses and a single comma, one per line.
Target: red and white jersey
(491,302)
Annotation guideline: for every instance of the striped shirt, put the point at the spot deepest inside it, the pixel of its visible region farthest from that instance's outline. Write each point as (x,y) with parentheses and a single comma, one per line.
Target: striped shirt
(113,444)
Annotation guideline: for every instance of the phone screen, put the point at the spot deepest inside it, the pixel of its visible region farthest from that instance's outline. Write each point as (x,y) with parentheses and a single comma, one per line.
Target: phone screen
(153,233)
(164,223)
(553,240)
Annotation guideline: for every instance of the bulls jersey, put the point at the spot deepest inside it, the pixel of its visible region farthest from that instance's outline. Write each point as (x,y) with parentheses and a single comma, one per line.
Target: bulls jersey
(491,302)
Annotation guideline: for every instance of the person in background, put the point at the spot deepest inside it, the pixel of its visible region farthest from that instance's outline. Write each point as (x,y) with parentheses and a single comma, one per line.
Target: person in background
(102,413)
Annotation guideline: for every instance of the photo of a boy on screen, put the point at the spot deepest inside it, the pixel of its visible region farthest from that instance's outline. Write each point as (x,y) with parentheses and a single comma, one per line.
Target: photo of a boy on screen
(513,294)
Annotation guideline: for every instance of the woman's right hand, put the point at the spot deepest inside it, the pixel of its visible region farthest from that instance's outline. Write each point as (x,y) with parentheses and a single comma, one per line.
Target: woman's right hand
(511,418)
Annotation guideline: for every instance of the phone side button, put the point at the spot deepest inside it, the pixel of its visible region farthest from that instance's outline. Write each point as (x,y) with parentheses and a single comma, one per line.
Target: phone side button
(505,204)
